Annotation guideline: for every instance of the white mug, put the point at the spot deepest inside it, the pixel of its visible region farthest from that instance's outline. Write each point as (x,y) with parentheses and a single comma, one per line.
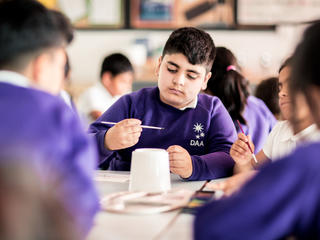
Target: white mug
(150,170)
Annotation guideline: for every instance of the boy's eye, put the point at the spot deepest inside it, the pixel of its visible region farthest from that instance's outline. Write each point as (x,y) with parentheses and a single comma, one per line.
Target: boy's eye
(172,70)
(191,76)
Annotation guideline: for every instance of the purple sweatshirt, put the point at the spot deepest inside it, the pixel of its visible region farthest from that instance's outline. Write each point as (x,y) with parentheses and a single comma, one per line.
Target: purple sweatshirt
(282,200)
(206,132)
(44,134)
(260,122)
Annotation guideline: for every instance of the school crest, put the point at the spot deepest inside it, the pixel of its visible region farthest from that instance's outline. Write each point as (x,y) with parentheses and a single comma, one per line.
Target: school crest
(199,135)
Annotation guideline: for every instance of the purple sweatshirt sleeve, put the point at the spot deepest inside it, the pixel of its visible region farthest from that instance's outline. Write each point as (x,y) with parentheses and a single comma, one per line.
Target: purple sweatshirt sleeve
(211,166)
(117,112)
(281,201)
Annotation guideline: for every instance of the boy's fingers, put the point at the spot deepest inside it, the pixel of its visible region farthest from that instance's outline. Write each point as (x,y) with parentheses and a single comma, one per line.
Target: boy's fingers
(130,122)
(134,129)
(174,148)
(217,186)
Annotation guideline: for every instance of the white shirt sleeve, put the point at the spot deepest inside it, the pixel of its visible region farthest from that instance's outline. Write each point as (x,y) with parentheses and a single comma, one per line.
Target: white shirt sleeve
(271,140)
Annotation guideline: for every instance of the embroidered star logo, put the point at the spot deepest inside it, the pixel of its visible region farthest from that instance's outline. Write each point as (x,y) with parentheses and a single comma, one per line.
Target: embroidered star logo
(198,127)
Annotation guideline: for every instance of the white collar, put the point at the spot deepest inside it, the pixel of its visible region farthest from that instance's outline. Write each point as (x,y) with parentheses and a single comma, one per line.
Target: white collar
(308,133)
(104,89)
(14,78)
(193,104)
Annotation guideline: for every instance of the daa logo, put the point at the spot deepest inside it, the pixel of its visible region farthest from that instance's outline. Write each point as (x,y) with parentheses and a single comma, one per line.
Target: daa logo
(198,129)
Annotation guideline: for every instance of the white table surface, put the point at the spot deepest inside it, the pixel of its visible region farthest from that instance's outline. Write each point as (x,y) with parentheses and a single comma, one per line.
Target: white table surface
(169,225)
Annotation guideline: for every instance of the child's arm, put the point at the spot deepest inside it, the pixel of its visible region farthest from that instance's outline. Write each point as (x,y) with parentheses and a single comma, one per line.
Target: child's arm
(242,155)
(124,134)
(116,113)
(232,184)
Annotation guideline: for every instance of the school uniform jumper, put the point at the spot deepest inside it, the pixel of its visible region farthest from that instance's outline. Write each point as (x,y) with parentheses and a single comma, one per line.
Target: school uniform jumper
(206,132)
(39,130)
(282,200)
(260,122)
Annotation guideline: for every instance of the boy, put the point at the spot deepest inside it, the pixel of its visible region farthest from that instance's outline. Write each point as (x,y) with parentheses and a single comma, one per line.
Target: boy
(198,131)
(116,80)
(36,126)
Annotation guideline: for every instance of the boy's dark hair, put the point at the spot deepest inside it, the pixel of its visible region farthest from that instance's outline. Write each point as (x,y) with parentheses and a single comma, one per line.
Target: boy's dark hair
(268,91)
(116,63)
(228,84)
(26,29)
(193,43)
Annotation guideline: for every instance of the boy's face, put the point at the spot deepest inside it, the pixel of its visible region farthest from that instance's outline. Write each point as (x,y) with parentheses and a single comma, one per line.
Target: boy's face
(284,98)
(119,84)
(179,81)
(50,70)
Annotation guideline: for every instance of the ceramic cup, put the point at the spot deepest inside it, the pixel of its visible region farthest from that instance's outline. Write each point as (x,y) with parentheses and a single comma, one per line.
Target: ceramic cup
(150,170)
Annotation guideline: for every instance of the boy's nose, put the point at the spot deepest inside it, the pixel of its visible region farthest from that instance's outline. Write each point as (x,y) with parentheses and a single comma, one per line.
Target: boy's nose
(179,79)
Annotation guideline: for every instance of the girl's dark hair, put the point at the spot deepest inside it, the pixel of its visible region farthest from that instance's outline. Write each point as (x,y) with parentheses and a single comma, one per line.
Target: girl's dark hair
(268,91)
(228,84)
(305,74)
(306,63)
(287,63)
(116,63)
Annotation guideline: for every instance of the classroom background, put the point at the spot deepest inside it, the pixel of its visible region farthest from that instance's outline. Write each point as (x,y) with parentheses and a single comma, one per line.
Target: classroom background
(260,33)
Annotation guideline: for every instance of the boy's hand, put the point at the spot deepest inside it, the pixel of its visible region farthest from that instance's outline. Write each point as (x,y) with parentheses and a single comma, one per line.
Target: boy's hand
(231,184)
(180,161)
(124,134)
(240,151)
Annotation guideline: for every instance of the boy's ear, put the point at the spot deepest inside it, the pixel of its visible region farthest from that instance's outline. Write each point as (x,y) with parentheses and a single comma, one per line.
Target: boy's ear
(158,66)
(106,78)
(38,69)
(206,79)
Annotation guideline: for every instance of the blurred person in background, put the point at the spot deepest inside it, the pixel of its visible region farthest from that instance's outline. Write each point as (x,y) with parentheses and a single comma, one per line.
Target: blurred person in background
(267,90)
(281,141)
(64,94)
(36,125)
(116,77)
(31,209)
(283,200)
(231,87)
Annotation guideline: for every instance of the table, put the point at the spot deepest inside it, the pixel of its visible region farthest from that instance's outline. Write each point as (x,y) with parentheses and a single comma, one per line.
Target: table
(169,225)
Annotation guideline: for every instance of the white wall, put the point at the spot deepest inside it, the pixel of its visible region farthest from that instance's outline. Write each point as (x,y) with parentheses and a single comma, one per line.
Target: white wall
(259,52)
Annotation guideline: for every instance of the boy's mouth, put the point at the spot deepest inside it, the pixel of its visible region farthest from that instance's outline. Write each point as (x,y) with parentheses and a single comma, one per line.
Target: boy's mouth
(175,91)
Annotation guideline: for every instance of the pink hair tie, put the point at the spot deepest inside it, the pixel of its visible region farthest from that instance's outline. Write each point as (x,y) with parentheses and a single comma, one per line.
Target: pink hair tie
(231,67)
